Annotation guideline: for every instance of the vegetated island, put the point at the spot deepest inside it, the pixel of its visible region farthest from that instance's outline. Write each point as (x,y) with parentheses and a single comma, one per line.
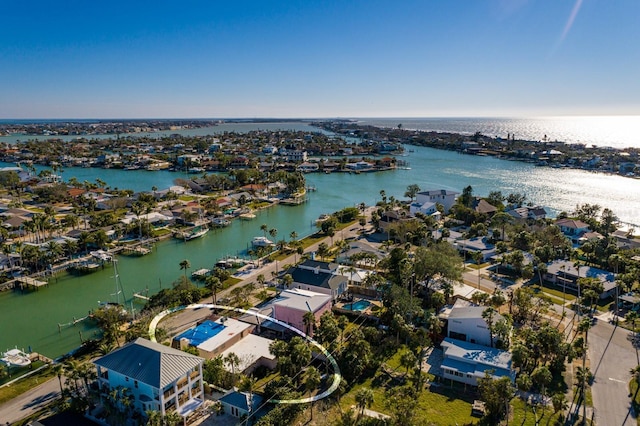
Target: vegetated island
(542,153)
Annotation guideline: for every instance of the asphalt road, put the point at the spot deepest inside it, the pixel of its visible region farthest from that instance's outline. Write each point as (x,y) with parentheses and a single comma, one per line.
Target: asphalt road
(30,402)
(612,356)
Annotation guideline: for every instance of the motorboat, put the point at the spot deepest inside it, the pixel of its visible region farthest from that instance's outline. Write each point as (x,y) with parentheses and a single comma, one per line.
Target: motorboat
(16,358)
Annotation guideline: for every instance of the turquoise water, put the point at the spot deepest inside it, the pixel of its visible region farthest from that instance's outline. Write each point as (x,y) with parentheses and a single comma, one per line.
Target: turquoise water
(358,306)
(201,332)
(31,319)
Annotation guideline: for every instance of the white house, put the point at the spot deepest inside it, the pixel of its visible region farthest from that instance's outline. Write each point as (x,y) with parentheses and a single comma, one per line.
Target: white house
(467,362)
(443,196)
(159,377)
(467,324)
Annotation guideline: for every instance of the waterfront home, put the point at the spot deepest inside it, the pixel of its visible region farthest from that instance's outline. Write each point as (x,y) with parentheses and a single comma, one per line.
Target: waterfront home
(466,362)
(319,277)
(565,274)
(482,206)
(158,377)
(291,306)
(212,337)
(572,228)
(308,167)
(521,214)
(429,208)
(441,196)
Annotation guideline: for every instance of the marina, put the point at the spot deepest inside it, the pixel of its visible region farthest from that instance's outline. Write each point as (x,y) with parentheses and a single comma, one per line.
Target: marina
(557,189)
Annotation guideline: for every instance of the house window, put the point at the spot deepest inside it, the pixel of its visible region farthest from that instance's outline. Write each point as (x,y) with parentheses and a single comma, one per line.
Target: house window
(135,384)
(126,379)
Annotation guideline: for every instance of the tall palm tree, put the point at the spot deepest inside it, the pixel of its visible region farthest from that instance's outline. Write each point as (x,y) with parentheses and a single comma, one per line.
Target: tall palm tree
(364,400)
(59,370)
(184,265)
(214,284)
(635,375)
(264,228)
(312,381)
(309,320)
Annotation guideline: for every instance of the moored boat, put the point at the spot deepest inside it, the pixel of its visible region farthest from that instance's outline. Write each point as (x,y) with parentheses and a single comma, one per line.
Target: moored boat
(16,358)
(261,242)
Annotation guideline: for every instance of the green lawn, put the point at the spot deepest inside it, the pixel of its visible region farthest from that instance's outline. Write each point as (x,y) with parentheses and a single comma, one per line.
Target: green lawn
(633,390)
(21,386)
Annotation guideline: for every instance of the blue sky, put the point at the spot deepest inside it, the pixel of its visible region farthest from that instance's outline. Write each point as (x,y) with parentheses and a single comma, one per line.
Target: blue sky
(411,58)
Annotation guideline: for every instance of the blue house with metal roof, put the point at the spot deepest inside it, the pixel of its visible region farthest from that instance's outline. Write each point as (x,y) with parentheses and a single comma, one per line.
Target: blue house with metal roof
(158,377)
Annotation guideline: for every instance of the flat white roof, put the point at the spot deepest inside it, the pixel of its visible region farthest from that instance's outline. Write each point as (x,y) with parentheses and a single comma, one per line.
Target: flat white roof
(299,299)
(249,350)
(232,327)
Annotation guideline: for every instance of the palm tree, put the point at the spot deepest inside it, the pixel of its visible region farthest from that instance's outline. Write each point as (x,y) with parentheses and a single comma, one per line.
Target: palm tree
(59,370)
(214,284)
(184,265)
(312,381)
(488,315)
(635,376)
(233,361)
(478,257)
(273,232)
(264,228)
(364,400)
(309,320)
(502,219)
(407,360)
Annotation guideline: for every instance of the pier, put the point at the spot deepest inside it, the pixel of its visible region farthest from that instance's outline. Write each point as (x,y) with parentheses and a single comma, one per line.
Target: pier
(30,282)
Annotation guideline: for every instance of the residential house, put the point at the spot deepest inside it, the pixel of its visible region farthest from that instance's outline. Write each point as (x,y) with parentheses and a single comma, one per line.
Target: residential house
(291,306)
(240,404)
(319,277)
(158,377)
(565,274)
(212,338)
(466,362)
(521,214)
(467,324)
(472,245)
(442,196)
(360,248)
(572,228)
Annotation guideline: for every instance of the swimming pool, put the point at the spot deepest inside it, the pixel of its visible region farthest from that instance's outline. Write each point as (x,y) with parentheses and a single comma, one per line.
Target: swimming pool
(201,333)
(359,306)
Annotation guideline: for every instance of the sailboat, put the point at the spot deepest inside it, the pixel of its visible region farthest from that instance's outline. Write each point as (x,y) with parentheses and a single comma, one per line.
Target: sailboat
(118,291)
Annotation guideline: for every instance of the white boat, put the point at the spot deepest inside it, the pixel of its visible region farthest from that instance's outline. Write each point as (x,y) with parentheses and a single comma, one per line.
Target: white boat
(247,216)
(196,234)
(101,255)
(220,222)
(261,242)
(16,358)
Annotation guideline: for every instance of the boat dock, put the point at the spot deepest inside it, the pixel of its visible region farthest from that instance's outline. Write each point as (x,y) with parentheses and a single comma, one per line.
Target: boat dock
(141,297)
(25,282)
(200,274)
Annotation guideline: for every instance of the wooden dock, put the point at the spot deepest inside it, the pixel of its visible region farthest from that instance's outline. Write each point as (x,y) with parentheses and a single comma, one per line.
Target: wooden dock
(140,296)
(30,282)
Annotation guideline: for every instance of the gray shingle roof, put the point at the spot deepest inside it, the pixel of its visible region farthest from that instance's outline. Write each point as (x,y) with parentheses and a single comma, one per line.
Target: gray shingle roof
(149,362)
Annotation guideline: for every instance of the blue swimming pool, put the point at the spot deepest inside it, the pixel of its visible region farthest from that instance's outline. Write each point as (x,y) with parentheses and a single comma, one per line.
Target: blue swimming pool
(360,305)
(201,332)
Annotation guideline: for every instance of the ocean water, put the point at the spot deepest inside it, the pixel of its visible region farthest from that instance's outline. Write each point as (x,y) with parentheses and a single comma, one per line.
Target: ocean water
(618,132)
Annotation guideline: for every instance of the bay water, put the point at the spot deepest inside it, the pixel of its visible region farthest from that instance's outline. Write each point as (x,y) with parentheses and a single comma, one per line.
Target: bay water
(31,319)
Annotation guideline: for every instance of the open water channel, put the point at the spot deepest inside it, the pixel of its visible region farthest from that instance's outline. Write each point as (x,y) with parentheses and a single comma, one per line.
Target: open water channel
(31,319)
